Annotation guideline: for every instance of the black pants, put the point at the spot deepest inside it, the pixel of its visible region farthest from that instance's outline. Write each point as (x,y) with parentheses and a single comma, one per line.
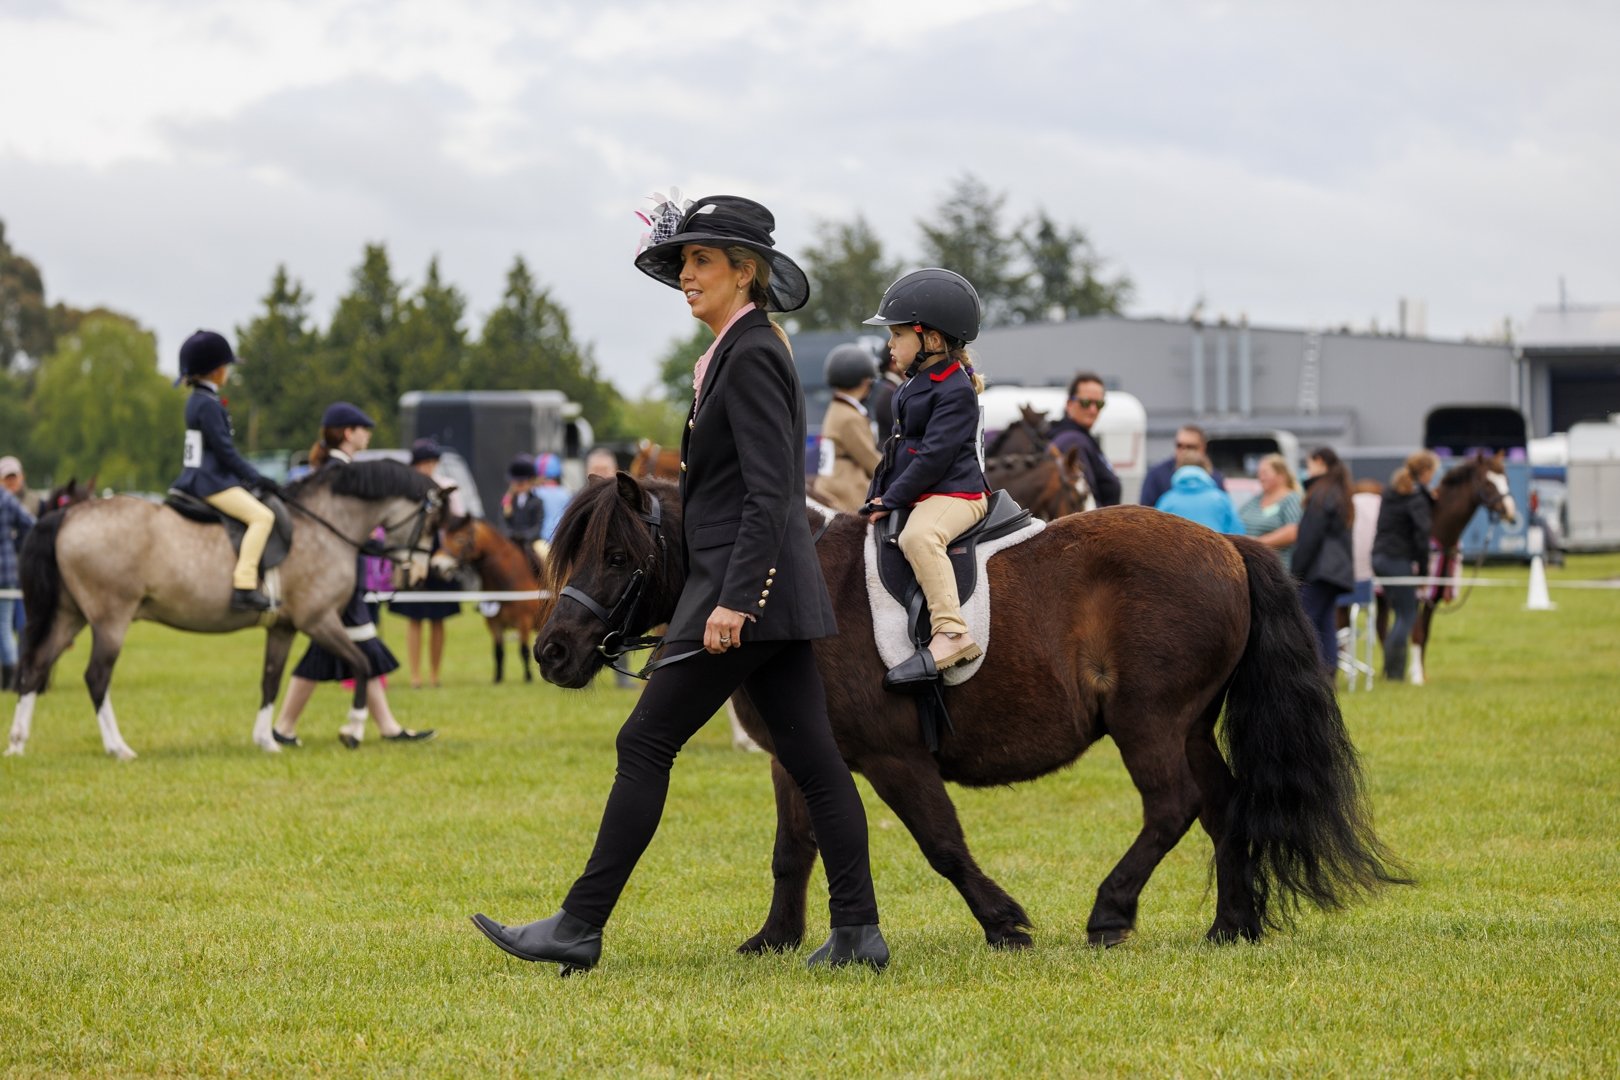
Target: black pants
(781,680)
(1402,599)
(1321,602)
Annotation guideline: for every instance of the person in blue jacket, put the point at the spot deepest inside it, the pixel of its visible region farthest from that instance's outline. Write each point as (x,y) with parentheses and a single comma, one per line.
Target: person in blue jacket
(931,463)
(213,469)
(1194,496)
(550,491)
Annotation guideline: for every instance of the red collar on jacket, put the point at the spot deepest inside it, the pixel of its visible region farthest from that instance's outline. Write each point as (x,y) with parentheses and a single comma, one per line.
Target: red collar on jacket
(943,375)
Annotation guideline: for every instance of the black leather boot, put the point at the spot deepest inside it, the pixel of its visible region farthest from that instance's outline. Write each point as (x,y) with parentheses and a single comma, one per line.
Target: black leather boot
(852,945)
(561,939)
(8,676)
(249,600)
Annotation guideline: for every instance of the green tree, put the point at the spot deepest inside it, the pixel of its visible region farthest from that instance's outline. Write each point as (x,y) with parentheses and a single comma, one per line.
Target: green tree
(364,346)
(1065,279)
(966,234)
(847,273)
(432,340)
(279,386)
(675,367)
(25,328)
(102,407)
(527,345)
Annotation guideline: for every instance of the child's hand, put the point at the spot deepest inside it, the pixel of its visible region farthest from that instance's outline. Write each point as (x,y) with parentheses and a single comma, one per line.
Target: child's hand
(873,511)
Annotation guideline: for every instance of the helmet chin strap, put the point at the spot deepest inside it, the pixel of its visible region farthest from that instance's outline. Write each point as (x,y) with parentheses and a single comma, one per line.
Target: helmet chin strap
(924,354)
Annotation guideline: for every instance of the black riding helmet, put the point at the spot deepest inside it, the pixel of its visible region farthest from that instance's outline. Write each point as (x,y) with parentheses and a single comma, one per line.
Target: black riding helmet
(938,299)
(848,365)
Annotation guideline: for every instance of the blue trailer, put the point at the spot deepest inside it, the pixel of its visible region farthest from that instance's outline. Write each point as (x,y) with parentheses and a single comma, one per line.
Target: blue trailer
(1455,433)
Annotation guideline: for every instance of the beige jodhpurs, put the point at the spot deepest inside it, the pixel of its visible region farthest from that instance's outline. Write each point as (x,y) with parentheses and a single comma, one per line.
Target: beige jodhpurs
(259,521)
(934,523)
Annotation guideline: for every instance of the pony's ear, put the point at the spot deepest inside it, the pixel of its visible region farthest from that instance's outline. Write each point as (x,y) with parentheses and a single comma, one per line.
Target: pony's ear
(1071,461)
(631,492)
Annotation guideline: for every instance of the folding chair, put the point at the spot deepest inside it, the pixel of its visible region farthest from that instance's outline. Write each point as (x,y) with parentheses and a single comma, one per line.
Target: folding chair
(1356,639)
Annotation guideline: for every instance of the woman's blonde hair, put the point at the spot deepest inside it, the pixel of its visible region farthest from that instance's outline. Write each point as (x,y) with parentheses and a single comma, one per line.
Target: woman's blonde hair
(1279,465)
(1404,480)
(759,290)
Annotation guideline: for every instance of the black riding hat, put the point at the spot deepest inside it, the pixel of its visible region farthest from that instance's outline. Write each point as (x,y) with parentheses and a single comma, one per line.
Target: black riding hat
(522,468)
(342,414)
(425,450)
(938,299)
(848,365)
(722,221)
(204,351)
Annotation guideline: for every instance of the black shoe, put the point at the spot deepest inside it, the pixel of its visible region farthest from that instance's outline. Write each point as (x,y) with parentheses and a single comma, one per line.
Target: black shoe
(852,945)
(913,674)
(407,735)
(286,740)
(249,600)
(561,939)
(8,676)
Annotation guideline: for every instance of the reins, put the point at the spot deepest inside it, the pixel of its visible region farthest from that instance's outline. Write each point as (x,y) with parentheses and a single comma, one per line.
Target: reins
(369,546)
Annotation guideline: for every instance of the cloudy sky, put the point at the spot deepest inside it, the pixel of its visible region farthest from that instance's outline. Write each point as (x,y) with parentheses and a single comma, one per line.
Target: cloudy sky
(1304,164)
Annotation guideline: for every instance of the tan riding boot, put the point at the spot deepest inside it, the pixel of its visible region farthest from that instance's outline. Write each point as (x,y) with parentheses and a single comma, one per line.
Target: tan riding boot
(949,650)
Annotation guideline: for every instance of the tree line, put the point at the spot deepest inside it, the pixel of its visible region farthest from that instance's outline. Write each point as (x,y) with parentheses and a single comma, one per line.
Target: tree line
(81,394)
(1030,270)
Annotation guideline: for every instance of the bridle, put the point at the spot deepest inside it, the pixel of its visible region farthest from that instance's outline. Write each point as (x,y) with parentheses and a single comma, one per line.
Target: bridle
(621,619)
(399,554)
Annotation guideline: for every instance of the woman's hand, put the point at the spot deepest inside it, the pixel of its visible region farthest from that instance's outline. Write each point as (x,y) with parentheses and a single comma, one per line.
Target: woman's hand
(723,630)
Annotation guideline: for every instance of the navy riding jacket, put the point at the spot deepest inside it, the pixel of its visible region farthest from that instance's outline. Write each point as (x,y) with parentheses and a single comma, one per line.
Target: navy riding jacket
(211,461)
(934,448)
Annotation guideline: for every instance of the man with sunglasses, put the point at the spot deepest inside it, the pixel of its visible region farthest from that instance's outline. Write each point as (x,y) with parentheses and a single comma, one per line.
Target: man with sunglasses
(1073,432)
(1192,448)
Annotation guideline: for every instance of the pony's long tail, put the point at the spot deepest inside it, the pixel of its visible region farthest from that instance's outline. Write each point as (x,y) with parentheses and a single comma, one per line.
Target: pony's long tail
(1298,817)
(42,592)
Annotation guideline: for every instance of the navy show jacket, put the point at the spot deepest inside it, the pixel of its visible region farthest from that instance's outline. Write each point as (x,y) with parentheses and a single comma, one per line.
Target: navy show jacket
(212,463)
(934,448)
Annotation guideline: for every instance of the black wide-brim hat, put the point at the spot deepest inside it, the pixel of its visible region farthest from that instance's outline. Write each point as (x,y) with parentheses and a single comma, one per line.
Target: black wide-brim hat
(721,221)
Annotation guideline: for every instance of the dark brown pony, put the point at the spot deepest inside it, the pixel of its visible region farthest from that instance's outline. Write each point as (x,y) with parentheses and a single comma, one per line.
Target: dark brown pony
(653,462)
(1124,622)
(502,566)
(1047,483)
(1481,481)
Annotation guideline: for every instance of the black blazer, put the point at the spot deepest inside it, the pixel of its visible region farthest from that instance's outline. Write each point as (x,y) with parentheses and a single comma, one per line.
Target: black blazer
(1403,526)
(742,486)
(212,463)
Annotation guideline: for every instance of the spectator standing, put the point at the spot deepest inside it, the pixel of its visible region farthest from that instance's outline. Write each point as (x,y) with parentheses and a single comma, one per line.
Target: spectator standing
(1323,562)
(15,521)
(554,497)
(1272,516)
(600,463)
(1401,549)
(1194,496)
(425,457)
(880,403)
(1192,447)
(1073,432)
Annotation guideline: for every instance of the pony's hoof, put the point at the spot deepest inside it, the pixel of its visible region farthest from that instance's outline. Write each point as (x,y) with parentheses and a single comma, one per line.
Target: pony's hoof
(1012,940)
(268,745)
(1107,939)
(349,741)
(1228,935)
(762,943)
(122,753)
(14,750)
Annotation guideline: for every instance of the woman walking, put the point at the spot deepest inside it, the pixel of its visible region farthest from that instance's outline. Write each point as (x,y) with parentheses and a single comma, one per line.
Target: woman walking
(1323,562)
(754,597)
(1401,549)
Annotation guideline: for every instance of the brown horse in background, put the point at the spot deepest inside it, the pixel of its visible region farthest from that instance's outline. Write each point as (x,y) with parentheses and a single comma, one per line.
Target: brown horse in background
(1125,622)
(1481,481)
(1043,480)
(502,566)
(653,462)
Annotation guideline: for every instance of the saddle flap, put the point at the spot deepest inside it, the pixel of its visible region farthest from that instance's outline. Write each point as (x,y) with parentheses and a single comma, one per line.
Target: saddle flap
(189,506)
(1003,517)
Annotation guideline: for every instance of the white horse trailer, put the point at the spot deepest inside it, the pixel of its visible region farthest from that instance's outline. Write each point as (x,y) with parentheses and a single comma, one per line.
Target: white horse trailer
(1121,426)
(1593,478)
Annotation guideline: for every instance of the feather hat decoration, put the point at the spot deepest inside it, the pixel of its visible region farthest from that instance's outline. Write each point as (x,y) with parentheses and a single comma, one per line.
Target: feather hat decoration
(664,219)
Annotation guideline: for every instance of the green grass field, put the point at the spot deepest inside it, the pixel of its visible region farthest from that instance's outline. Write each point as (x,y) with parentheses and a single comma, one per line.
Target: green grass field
(208,909)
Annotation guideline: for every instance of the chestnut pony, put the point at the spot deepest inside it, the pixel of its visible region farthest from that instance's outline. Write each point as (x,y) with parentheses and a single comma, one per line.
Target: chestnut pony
(1124,622)
(502,566)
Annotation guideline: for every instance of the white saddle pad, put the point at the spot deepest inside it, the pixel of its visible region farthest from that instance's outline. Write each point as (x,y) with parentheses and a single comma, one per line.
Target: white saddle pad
(889,618)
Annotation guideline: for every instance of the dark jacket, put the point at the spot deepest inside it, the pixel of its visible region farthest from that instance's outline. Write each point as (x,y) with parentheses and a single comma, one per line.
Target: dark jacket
(1105,487)
(211,461)
(880,404)
(1404,523)
(1157,481)
(934,445)
(747,535)
(1322,552)
(525,518)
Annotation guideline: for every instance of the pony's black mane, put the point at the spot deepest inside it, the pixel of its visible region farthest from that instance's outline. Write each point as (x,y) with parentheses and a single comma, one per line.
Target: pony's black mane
(1462,473)
(367,480)
(598,520)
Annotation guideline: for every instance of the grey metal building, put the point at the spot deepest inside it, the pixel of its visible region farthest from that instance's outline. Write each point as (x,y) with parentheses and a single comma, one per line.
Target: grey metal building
(1341,389)
(1571,366)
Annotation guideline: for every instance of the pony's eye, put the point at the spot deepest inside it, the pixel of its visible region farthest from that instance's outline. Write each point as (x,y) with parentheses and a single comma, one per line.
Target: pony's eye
(618,558)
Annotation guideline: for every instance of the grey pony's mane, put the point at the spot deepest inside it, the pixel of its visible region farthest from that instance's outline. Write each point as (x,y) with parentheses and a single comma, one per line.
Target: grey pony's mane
(368,480)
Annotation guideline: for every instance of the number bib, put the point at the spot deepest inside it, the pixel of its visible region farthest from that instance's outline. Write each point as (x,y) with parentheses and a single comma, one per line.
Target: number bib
(827,457)
(192,458)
